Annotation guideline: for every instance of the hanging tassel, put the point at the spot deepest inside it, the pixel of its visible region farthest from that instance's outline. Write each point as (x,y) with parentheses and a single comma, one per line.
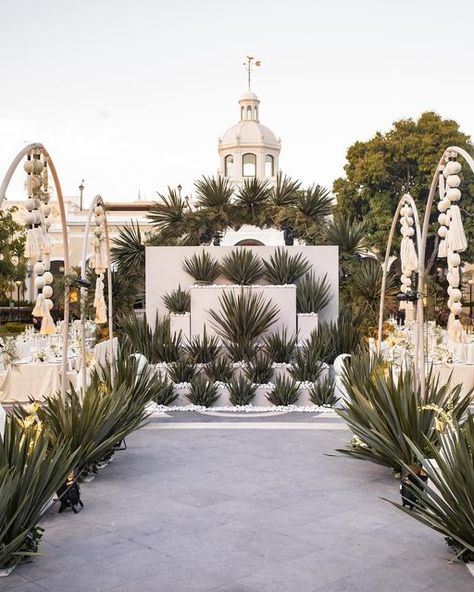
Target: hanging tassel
(456,332)
(408,256)
(47,324)
(39,309)
(443,248)
(454,279)
(101,259)
(457,237)
(402,305)
(45,242)
(99,302)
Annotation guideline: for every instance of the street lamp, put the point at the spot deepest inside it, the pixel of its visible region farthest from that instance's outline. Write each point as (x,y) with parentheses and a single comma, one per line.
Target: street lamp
(81,191)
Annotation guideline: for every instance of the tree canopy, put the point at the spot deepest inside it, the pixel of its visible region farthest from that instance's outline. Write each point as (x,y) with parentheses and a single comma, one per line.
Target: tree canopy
(379,170)
(12,261)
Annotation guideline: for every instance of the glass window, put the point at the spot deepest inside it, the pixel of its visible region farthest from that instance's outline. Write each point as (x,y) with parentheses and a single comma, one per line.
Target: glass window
(249,112)
(229,166)
(255,113)
(269,166)
(249,165)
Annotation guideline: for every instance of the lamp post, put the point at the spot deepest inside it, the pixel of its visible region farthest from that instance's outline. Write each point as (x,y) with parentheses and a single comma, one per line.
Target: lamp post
(81,191)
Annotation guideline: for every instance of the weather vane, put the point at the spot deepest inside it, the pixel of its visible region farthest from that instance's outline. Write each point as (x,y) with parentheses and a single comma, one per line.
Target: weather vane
(249,66)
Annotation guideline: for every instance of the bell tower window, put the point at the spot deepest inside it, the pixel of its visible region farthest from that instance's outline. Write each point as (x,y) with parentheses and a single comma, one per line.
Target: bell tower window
(249,165)
(229,169)
(269,166)
(249,112)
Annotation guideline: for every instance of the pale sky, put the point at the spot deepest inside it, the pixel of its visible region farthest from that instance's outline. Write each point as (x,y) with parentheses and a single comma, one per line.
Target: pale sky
(133,95)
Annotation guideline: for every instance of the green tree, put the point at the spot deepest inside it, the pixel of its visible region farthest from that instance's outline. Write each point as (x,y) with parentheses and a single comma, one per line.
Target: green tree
(381,169)
(12,261)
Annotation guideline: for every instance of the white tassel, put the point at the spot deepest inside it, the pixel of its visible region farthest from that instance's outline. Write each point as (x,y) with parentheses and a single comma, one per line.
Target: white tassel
(99,302)
(454,277)
(455,332)
(409,312)
(47,324)
(457,237)
(45,242)
(443,248)
(39,309)
(408,256)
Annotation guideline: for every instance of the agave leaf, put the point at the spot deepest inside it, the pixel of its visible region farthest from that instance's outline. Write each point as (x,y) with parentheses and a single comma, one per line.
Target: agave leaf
(283,268)
(202,267)
(242,266)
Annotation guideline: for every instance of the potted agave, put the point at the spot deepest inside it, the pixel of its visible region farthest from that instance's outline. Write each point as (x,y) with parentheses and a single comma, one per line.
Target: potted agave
(178,304)
(312,295)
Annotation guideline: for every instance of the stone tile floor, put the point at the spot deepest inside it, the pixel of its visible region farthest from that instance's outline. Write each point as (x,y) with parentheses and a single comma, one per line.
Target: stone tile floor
(239,510)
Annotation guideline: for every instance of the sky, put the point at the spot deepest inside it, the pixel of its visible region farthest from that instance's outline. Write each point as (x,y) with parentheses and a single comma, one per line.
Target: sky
(132,96)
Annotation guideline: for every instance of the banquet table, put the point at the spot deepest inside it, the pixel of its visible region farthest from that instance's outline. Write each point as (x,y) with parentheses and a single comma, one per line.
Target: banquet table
(37,380)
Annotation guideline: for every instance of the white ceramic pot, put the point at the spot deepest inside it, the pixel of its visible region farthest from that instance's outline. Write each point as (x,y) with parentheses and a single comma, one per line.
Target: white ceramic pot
(306,323)
(260,399)
(180,323)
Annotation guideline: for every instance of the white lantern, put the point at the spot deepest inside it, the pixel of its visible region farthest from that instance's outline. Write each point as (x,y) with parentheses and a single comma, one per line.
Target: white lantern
(28,166)
(442,231)
(39,268)
(48,277)
(453,194)
(456,294)
(452,168)
(49,303)
(455,259)
(444,204)
(453,181)
(47,291)
(39,282)
(30,204)
(456,308)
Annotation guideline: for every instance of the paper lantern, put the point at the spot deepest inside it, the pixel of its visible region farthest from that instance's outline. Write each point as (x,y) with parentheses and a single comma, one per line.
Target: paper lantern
(48,277)
(452,168)
(39,282)
(47,291)
(39,268)
(453,194)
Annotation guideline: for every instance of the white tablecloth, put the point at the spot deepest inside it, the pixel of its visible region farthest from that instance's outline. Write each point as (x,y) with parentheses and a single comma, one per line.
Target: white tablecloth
(462,374)
(36,380)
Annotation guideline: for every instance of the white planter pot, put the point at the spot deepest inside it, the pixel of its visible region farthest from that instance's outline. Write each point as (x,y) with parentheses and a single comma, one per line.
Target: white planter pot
(3,418)
(239,368)
(223,400)
(306,323)
(304,399)
(181,390)
(180,323)
(6,571)
(281,369)
(260,399)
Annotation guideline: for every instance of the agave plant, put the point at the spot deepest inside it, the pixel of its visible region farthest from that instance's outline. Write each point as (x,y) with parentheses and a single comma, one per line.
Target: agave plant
(128,250)
(242,350)
(284,195)
(202,350)
(243,316)
(312,294)
(203,392)
(219,369)
(31,471)
(348,234)
(164,392)
(310,213)
(183,370)
(214,193)
(159,345)
(283,268)
(242,266)
(202,268)
(388,415)
(241,391)
(259,368)
(323,392)
(307,364)
(343,336)
(445,502)
(284,392)
(279,347)
(177,301)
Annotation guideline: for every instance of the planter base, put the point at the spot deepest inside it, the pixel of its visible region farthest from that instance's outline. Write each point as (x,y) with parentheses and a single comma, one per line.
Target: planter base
(6,571)
(470,567)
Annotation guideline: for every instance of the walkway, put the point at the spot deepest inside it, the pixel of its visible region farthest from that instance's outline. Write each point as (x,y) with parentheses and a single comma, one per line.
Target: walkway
(198,508)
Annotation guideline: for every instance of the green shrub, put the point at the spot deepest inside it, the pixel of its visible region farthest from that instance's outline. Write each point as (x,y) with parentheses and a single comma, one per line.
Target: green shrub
(164,392)
(157,345)
(203,392)
(177,301)
(307,364)
(12,328)
(183,370)
(202,268)
(285,392)
(279,347)
(259,368)
(323,392)
(387,413)
(343,336)
(312,294)
(220,369)
(243,317)
(31,471)
(241,391)
(241,266)
(203,349)
(445,502)
(283,268)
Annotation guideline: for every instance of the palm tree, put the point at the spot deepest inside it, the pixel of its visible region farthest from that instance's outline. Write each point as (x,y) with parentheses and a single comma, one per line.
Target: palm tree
(348,234)
(128,250)
(168,215)
(284,195)
(251,200)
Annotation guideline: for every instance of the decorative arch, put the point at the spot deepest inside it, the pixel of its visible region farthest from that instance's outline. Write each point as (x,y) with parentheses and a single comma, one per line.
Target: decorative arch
(28,150)
(249,242)
(269,165)
(249,165)
(229,166)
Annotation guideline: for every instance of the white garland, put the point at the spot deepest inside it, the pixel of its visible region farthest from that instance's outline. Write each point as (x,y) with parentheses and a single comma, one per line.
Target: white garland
(154,408)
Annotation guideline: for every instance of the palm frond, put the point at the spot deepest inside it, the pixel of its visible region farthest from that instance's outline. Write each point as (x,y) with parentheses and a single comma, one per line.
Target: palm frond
(168,213)
(128,250)
(213,192)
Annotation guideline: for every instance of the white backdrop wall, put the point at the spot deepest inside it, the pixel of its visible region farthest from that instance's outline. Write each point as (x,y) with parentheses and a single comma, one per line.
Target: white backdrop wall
(164,271)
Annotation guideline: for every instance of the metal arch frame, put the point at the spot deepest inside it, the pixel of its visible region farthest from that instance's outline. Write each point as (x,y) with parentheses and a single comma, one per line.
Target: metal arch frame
(96,201)
(452,151)
(403,200)
(3,189)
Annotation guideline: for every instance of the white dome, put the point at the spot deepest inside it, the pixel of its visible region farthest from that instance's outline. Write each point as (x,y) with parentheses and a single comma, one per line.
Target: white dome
(249,96)
(249,132)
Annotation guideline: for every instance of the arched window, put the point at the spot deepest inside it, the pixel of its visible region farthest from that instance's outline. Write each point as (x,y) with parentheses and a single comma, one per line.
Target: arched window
(242,112)
(249,112)
(255,113)
(229,169)
(269,165)
(249,165)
